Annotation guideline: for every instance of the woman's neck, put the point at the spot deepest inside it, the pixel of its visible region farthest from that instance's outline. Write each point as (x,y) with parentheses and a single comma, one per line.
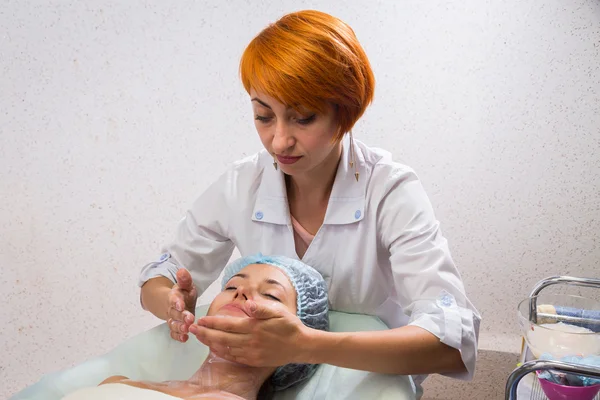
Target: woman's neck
(221,375)
(316,184)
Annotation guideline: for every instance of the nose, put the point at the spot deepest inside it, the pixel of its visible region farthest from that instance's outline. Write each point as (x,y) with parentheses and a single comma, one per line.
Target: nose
(283,138)
(241,293)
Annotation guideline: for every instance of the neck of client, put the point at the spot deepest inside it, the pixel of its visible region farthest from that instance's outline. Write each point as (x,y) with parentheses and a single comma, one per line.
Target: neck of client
(217,374)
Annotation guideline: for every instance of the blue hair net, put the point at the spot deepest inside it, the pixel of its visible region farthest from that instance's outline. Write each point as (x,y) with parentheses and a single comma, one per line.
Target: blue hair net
(312,306)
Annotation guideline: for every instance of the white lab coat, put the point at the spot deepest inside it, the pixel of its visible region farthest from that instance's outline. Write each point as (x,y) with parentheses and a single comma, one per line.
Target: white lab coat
(380,248)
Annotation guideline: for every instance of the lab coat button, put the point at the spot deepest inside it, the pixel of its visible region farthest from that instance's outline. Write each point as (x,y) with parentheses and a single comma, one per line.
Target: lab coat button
(357,214)
(259,215)
(446,300)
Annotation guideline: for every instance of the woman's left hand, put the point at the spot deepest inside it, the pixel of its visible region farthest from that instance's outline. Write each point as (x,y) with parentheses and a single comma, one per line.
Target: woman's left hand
(271,337)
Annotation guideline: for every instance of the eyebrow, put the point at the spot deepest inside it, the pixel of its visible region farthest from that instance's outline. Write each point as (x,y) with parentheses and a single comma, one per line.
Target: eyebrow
(269,281)
(261,102)
(273,282)
(266,105)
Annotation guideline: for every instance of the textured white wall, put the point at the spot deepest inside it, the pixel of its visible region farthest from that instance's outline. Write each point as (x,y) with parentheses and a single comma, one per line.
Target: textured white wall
(115,115)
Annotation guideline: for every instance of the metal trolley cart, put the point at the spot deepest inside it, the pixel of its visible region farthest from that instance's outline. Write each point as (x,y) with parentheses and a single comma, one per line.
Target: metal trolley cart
(529,365)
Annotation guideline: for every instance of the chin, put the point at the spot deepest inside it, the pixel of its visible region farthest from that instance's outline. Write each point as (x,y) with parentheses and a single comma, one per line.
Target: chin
(291,169)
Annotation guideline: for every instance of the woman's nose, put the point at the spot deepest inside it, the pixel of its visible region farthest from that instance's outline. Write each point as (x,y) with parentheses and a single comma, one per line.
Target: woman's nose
(241,293)
(283,139)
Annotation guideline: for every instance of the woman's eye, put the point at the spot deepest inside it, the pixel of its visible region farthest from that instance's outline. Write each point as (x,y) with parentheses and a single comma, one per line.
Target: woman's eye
(230,288)
(261,118)
(272,297)
(307,120)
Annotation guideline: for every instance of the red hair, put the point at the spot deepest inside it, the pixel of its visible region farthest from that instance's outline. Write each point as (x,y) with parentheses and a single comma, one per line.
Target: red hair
(311,59)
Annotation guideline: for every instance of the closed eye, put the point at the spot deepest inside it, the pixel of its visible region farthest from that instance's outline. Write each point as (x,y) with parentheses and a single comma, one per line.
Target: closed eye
(230,288)
(261,118)
(272,297)
(307,120)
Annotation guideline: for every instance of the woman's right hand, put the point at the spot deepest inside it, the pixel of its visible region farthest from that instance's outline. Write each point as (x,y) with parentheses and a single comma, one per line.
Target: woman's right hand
(182,304)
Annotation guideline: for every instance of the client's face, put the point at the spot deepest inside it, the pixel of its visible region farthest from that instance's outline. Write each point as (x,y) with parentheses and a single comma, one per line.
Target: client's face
(257,282)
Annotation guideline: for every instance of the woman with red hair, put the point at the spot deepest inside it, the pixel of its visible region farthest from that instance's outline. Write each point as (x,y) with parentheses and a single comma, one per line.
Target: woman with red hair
(316,194)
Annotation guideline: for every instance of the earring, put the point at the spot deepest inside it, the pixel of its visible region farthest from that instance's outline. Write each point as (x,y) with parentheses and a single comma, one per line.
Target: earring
(275,163)
(352,156)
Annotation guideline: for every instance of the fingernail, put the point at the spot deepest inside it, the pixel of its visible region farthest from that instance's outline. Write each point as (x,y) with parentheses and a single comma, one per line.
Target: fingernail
(178,306)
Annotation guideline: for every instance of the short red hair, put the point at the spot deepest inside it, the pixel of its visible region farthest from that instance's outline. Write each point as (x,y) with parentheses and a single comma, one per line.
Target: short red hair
(311,59)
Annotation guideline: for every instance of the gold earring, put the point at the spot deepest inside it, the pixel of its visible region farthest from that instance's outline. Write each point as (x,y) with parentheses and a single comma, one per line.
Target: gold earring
(275,163)
(352,163)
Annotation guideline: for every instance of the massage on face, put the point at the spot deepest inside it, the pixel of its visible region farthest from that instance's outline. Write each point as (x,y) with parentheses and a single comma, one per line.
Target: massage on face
(355,212)
(256,280)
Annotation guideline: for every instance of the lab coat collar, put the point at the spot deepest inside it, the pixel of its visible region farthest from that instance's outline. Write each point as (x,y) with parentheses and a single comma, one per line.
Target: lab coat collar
(346,202)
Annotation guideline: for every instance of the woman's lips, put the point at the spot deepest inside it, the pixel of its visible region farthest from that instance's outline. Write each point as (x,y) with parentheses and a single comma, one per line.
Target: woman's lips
(237,309)
(287,159)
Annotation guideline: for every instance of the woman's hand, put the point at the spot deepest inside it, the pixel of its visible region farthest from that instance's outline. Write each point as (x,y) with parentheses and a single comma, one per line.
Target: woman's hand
(182,305)
(271,337)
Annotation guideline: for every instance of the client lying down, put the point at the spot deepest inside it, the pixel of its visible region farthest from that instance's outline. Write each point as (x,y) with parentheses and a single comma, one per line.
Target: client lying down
(298,287)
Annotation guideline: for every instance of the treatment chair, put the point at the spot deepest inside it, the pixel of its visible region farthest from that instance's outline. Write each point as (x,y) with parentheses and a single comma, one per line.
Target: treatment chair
(153,355)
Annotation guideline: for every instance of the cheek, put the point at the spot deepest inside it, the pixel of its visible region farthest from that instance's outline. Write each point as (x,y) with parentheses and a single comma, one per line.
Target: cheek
(323,135)
(263,133)
(292,308)
(219,301)
(318,144)
(291,303)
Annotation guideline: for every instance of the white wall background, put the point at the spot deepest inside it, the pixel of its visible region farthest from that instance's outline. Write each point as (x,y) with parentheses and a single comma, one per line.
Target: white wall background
(115,115)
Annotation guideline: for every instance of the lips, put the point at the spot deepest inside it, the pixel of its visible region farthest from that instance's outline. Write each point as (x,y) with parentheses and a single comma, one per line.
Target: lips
(234,307)
(287,159)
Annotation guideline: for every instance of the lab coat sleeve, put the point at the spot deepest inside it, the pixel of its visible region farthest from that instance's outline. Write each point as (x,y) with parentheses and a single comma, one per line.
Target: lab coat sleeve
(428,285)
(201,243)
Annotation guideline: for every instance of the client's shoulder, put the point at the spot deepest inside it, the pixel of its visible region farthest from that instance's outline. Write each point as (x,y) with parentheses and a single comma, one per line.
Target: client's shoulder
(113,379)
(215,395)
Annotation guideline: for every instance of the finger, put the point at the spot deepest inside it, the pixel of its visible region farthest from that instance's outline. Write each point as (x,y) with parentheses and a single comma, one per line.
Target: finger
(263,311)
(178,327)
(179,337)
(175,315)
(176,304)
(221,351)
(230,354)
(243,360)
(184,279)
(214,338)
(188,318)
(239,359)
(237,352)
(227,324)
(185,317)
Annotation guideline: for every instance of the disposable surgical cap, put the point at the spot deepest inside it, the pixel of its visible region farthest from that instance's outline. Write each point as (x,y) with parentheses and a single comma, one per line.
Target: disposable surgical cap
(312,306)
